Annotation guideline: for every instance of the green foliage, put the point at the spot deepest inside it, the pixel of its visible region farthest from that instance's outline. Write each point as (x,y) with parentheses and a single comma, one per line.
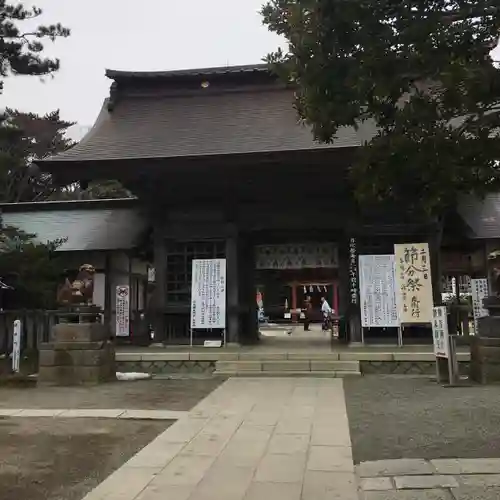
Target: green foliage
(105,190)
(416,72)
(31,268)
(25,137)
(21,51)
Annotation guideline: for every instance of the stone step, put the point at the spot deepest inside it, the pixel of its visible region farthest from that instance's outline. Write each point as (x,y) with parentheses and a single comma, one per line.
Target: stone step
(319,374)
(289,364)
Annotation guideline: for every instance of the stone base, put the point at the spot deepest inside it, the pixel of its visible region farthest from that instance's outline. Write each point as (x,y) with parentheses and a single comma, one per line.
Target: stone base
(489,327)
(485,360)
(80,332)
(75,375)
(79,355)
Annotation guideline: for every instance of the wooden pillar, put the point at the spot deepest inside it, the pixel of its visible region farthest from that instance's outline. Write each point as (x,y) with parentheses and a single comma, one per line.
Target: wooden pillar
(159,294)
(233,324)
(349,287)
(248,308)
(107,291)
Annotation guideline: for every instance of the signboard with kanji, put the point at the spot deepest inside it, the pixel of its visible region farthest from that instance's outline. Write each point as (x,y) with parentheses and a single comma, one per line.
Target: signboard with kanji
(122,311)
(208,294)
(413,283)
(353,271)
(479,292)
(377,291)
(440,332)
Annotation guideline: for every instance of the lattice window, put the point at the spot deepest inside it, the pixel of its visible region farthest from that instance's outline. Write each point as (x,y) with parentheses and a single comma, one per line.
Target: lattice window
(179,266)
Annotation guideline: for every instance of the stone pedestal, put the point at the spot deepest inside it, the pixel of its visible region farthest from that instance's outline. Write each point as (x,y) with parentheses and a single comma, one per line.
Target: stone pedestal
(485,360)
(80,354)
(485,346)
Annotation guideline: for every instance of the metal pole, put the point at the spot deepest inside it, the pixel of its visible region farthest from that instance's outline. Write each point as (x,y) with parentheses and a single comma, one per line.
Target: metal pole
(191,337)
(400,336)
(224,335)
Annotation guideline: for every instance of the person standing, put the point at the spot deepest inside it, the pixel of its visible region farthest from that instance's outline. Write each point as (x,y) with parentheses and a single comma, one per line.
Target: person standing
(326,310)
(307,313)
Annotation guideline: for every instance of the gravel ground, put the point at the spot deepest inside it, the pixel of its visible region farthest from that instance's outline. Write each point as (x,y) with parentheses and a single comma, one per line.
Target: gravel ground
(64,459)
(177,395)
(392,418)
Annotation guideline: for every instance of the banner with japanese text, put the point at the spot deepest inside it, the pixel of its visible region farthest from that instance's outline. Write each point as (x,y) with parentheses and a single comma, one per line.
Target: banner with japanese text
(377,291)
(208,294)
(440,332)
(413,283)
(480,291)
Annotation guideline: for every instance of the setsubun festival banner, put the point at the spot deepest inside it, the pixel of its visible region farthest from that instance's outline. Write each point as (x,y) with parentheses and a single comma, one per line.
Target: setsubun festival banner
(413,283)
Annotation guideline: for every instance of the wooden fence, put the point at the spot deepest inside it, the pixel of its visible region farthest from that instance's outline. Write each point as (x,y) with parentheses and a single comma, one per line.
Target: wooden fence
(36,328)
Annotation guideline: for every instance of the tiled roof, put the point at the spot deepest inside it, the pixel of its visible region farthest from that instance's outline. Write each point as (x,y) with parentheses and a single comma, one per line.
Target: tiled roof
(156,126)
(84,228)
(182,73)
(482,216)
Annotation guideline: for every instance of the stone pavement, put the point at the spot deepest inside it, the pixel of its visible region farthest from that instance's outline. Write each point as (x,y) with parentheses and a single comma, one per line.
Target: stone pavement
(442,479)
(94,413)
(250,439)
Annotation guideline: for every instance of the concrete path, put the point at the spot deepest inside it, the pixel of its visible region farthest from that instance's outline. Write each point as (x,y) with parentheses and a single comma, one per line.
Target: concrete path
(94,413)
(442,479)
(251,439)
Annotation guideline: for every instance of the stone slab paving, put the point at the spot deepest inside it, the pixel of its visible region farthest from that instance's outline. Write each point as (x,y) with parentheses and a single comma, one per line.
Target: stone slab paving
(95,413)
(442,479)
(250,439)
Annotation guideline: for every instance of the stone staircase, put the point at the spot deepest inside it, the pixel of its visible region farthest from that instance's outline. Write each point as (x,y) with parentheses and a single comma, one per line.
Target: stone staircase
(297,367)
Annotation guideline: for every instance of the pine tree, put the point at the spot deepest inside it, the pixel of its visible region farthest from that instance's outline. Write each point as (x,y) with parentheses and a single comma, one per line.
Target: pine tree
(21,51)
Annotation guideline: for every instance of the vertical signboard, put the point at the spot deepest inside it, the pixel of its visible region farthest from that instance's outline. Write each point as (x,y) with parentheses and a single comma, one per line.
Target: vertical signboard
(440,334)
(16,346)
(414,284)
(353,271)
(122,311)
(377,291)
(479,292)
(208,294)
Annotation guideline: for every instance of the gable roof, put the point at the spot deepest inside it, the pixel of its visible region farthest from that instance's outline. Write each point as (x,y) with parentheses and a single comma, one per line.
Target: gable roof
(171,115)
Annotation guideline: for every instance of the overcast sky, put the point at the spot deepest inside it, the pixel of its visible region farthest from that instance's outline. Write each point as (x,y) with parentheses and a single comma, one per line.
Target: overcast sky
(136,35)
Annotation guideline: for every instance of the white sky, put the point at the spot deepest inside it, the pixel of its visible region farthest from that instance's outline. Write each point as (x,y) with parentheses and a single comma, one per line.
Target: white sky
(136,35)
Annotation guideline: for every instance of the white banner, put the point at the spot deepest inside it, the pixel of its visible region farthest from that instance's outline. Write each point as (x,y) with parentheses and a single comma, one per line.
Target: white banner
(377,291)
(479,292)
(208,294)
(122,311)
(413,283)
(440,334)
